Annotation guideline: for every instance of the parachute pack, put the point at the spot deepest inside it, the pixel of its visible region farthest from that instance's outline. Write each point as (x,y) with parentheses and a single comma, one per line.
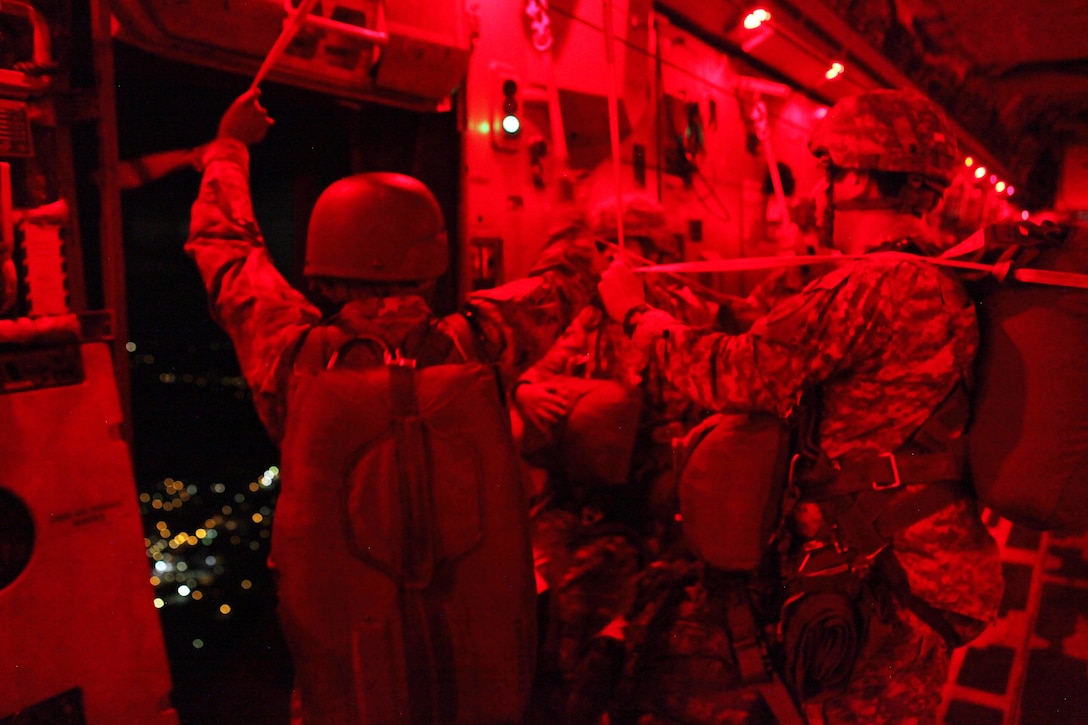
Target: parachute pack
(1028,437)
(417,602)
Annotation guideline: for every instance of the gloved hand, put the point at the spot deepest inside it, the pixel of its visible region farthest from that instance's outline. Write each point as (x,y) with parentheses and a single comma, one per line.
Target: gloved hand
(541,404)
(245,120)
(621,290)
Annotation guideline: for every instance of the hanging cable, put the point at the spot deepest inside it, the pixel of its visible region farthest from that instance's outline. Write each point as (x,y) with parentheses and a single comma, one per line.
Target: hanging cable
(614,116)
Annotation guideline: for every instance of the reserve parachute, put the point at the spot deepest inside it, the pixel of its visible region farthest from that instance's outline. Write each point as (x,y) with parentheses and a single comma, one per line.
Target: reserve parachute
(731,474)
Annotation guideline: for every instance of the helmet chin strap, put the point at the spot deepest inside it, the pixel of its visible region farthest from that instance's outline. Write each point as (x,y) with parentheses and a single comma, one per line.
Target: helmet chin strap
(827,229)
(913,199)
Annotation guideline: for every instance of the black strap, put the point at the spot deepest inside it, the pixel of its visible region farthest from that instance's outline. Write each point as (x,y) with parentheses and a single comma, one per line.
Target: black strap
(747,643)
(871,496)
(753,662)
(943,429)
(866,524)
(417,499)
(485,350)
(425,346)
(324,345)
(429,343)
(892,572)
(911,507)
(887,471)
(426,633)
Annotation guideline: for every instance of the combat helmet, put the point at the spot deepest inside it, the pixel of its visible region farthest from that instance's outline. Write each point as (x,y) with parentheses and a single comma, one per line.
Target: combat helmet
(377,227)
(643,218)
(888,130)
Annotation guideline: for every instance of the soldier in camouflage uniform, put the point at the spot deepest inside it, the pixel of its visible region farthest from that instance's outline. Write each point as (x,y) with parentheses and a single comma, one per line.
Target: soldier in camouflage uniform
(592,539)
(870,350)
(594,347)
(377,242)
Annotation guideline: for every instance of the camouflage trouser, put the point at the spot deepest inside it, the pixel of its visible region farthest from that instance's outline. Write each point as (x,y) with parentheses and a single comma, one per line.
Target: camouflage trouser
(898,678)
(591,571)
(598,587)
(683,667)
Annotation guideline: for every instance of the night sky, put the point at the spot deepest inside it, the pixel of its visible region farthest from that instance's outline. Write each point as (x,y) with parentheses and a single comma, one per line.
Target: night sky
(193,420)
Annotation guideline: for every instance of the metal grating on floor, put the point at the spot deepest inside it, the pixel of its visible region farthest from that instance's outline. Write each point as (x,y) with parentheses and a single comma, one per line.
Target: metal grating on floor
(1031,667)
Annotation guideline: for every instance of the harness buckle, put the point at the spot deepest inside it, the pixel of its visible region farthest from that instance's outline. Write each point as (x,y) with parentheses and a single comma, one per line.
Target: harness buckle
(896,481)
(795,462)
(398,359)
(791,476)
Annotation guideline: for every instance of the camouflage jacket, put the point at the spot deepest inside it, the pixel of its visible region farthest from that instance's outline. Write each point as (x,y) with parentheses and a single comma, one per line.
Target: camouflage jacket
(594,346)
(876,344)
(267,319)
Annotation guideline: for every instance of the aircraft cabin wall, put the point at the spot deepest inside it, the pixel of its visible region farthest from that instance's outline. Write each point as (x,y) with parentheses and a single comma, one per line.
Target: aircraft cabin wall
(685,128)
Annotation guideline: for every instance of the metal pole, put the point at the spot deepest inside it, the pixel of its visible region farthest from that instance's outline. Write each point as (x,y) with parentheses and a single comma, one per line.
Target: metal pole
(291,26)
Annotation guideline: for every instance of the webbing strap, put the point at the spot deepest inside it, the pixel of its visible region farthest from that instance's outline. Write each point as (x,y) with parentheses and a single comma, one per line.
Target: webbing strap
(744,264)
(914,506)
(869,522)
(416,497)
(934,455)
(887,471)
(780,701)
(426,634)
(752,663)
(460,331)
(747,646)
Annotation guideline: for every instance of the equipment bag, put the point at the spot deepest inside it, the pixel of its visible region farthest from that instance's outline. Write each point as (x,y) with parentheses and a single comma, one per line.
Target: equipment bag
(415,600)
(592,445)
(732,472)
(1028,440)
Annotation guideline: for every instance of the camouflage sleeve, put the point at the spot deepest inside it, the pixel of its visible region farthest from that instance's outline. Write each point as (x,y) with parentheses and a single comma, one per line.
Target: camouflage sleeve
(834,324)
(264,316)
(680,302)
(520,320)
(778,285)
(571,348)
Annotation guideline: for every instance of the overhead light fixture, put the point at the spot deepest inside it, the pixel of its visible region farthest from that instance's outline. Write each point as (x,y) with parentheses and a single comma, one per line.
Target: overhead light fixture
(756,28)
(980,172)
(999,187)
(756,18)
(968,162)
(1010,190)
(993,178)
(836,70)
